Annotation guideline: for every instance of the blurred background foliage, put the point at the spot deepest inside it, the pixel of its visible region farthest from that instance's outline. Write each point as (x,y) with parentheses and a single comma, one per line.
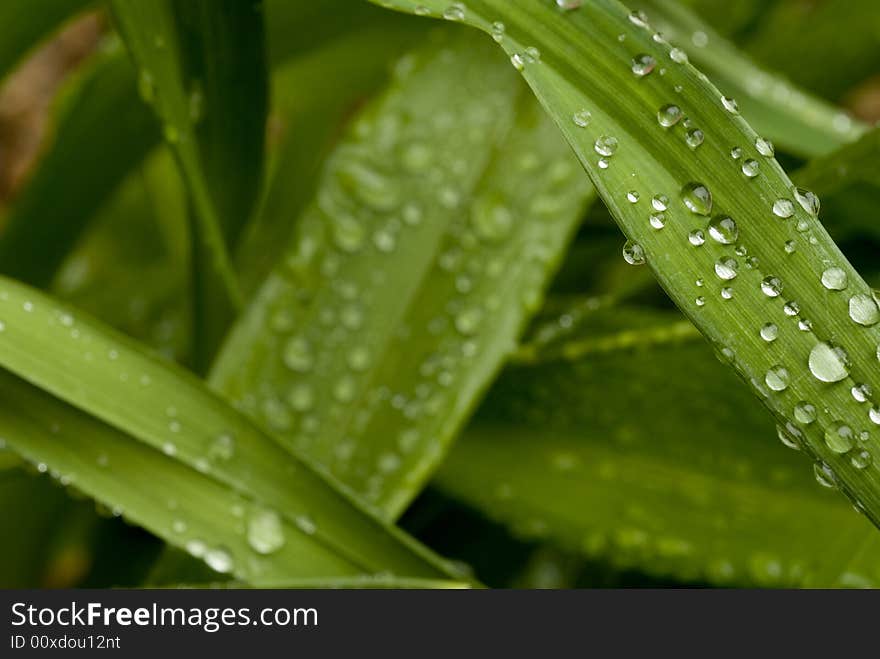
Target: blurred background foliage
(678,479)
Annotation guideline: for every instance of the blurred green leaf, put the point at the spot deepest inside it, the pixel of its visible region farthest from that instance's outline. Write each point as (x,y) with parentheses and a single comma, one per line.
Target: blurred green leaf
(202,65)
(429,244)
(100,114)
(339,75)
(674,475)
(207,456)
(24,26)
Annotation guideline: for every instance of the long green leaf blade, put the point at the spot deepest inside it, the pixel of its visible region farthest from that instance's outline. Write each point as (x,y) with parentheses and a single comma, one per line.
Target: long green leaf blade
(105,375)
(768,271)
(411,274)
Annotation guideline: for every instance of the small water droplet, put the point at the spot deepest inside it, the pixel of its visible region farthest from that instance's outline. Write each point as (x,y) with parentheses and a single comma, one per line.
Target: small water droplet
(454,12)
(697,198)
(678,56)
(633,196)
(764,147)
(807,200)
(771,286)
(730,105)
(751,168)
(783,208)
(265,531)
(633,253)
(643,64)
(861,459)
(726,268)
(582,118)
(805,412)
(669,115)
(606,145)
(839,437)
(696,237)
(824,475)
(219,560)
(660,202)
(777,378)
(694,137)
(723,230)
(769,332)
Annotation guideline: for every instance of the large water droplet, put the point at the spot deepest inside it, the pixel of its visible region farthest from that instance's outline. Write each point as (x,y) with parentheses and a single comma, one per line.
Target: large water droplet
(769,332)
(726,268)
(783,208)
(828,363)
(807,200)
(606,145)
(764,147)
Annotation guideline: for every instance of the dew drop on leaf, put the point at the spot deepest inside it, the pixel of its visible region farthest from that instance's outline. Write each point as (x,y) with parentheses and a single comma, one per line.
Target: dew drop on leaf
(643,64)
(863,310)
(834,279)
(828,363)
(697,198)
(783,208)
(839,437)
(723,230)
(265,532)
(633,253)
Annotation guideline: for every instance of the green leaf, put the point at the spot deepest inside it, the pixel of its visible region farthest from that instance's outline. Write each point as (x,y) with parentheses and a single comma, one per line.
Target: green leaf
(794,119)
(202,65)
(23,26)
(429,244)
(575,61)
(219,457)
(101,114)
(307,126)
(673,475)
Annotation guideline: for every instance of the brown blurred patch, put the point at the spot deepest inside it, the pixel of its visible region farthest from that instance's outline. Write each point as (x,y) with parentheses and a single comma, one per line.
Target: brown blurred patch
(26,97)
(864,100)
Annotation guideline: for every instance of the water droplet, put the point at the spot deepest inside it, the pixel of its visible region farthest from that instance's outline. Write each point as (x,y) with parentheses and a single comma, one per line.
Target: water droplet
(468,321)
(694,137)
(861,392)
(633,196)
(643,64)
(807,200)
(726,268)
(771,286)
(639,19)
(306,524)
(301,398)
(791,308)
(789,439)
(298,355)
(265,531)
(633,253)
(751,167)
(606,145)
(697,198)
(839,437)
(834,279)
(491,218)
(454,12)
(730,105)
(828,363)
(874,415)
(660,202)
(669,115)
(790,247)
(783,208)
(219,560)
(498,30)
(700,301)
(723,229)
(861,459)
(223,447)
(678,56)
(582,118)
(769,332)
(777,378)
(568,5)
(657,220)
(824,475)
(517,60)
(863,310)
(805,412)
(764,147)
(696,237)
(736,153)
(344,389)
(359,358)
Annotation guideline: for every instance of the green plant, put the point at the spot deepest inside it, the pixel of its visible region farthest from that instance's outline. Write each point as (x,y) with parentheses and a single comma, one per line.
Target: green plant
(344,291)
